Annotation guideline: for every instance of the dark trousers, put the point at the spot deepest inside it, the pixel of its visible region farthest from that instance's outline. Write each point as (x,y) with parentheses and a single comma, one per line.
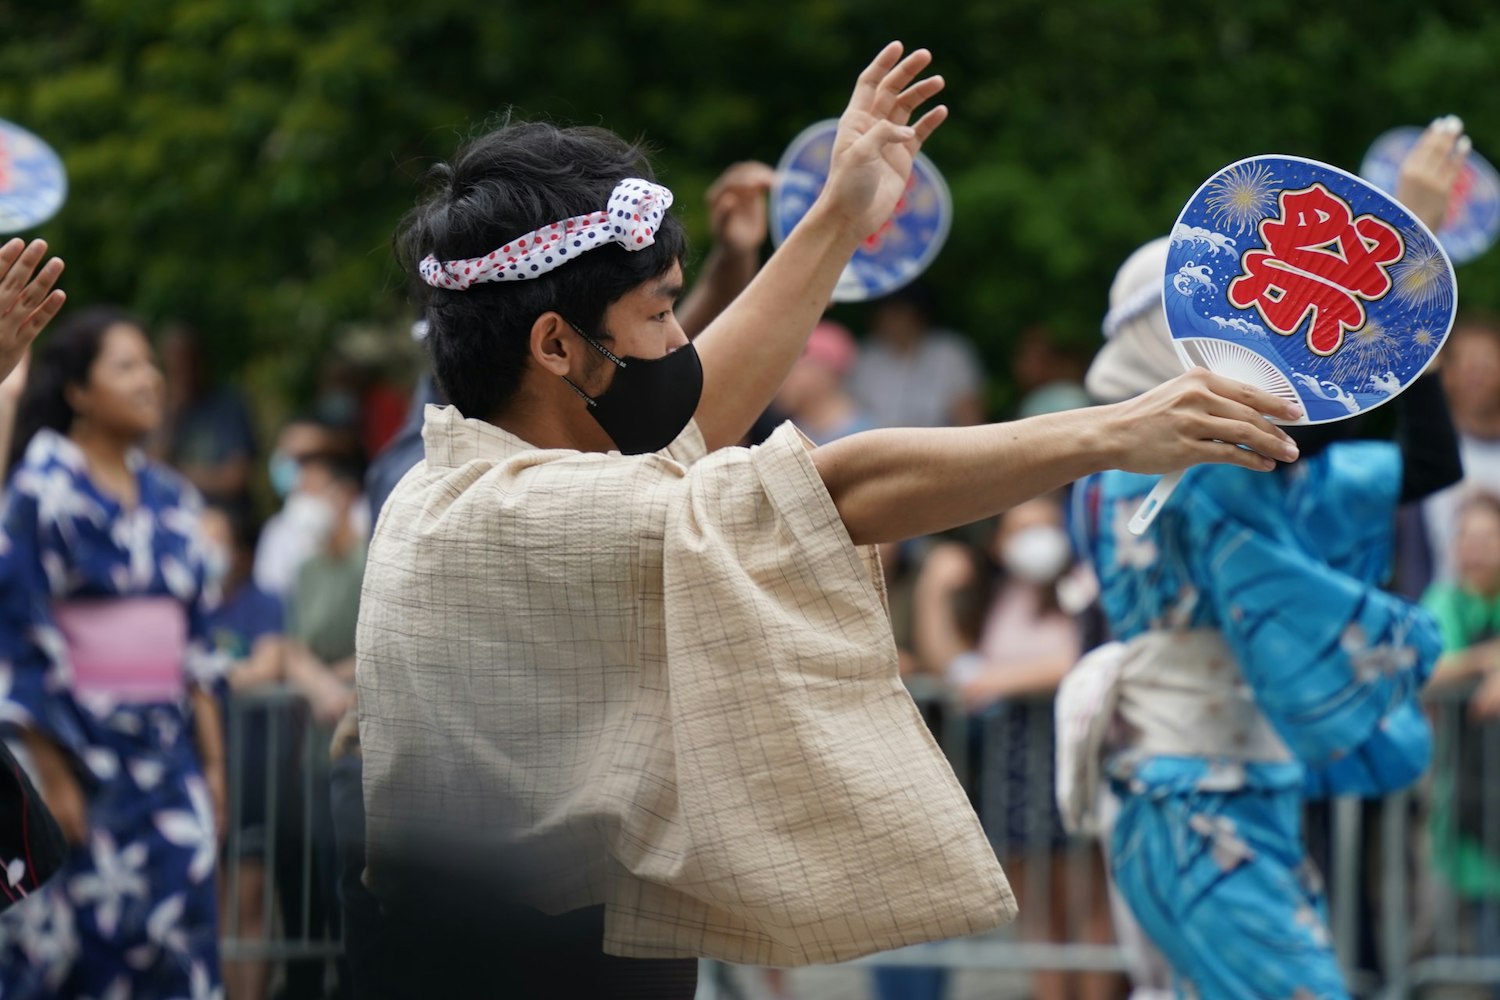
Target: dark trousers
(445,934)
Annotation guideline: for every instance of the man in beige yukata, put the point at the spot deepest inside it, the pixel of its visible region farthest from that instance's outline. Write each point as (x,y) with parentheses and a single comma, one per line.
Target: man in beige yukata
(614,669)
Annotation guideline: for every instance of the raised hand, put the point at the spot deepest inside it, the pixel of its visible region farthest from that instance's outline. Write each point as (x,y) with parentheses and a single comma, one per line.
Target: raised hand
(1430,170)
(737,206)
(27,299)
(875,145)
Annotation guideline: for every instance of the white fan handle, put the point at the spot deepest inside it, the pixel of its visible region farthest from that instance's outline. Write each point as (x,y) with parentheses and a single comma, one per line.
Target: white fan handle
(1154,502)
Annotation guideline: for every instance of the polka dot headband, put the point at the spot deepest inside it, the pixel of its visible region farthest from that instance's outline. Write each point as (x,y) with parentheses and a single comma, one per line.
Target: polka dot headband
(631,219)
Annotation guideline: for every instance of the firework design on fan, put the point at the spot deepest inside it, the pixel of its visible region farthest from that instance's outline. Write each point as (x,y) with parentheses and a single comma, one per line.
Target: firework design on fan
(1308,281)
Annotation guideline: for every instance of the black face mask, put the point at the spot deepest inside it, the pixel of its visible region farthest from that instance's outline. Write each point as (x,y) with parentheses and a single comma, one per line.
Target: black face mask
(649,402)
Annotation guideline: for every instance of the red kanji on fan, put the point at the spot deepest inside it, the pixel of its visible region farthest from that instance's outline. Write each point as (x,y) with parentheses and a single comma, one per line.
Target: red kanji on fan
(1318,259)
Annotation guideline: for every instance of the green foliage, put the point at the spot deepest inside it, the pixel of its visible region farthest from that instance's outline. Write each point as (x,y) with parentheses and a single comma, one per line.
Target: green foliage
(244,164)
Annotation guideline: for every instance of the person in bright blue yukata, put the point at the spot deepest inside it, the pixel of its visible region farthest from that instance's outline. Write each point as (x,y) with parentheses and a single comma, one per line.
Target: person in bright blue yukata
(1257,663)
(106,678)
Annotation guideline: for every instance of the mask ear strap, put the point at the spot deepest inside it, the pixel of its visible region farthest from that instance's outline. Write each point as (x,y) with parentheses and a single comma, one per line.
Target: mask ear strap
(581,394)
(598,347)
(595,345)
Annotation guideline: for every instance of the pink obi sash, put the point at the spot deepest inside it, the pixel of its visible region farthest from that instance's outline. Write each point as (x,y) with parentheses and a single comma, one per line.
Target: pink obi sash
(130,649)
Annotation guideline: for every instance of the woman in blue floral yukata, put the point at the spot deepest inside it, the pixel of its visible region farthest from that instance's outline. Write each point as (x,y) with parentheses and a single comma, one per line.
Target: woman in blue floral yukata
(1257,662)
(104,682)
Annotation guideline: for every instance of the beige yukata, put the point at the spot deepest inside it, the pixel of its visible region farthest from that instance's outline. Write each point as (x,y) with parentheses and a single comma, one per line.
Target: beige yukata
(668,683)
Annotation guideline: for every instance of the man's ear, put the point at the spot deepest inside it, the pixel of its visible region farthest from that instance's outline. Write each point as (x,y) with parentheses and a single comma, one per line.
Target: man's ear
(549,348)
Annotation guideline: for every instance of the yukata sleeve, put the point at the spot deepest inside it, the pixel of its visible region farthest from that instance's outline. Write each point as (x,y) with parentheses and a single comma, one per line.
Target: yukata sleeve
(818,816)
(1335,663)
(206,667)
(33,661)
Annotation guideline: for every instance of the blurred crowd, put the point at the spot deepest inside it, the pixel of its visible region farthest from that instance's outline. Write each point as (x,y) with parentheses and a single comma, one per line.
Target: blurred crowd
(987,621)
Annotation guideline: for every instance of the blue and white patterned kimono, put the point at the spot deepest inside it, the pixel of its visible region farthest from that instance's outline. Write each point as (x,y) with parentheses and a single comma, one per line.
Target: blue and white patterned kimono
(1315,694)
(132,913)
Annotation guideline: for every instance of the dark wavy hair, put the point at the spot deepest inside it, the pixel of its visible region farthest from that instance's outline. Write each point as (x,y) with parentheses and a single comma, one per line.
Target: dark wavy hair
(500,186)
(64,360)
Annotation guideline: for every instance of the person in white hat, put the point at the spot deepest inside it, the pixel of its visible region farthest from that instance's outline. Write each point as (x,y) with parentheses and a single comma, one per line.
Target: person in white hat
(1256,662)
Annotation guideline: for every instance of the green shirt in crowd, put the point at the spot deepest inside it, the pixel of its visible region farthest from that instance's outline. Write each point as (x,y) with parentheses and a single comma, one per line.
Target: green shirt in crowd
(1465,619)
(324,608)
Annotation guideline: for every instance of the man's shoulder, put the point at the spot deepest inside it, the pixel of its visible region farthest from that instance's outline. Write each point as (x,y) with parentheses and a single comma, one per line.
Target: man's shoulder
(542,495)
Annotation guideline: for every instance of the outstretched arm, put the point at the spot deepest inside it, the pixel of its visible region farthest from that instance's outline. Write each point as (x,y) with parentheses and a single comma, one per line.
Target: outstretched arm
(749,349)
(899,483)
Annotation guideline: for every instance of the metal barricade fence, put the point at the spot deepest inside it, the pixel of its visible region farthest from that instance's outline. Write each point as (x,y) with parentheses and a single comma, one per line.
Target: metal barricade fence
(1439,912)
(1429,857)
(278,823)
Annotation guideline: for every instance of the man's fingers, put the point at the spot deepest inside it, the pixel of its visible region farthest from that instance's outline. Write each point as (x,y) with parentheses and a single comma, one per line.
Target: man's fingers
(1257,399)
(1229,409)
(1228,454)
(928,123)
(913,97)
(897,80)
(10,251)
(1236,410)
(42,315)
(33,294)
(1259,439)
(868,84)
(20,271)
(881,134)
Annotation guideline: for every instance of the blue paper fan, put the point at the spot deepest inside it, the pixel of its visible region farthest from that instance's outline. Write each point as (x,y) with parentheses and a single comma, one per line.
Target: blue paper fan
(1308,282)
(33,184)
(891,257)
(1473,221)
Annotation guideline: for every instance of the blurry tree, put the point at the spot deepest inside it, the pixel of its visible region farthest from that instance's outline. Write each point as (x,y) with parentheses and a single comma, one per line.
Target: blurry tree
(243,163)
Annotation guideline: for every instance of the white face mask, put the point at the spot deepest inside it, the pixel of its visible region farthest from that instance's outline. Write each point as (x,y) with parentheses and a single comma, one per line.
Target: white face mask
(312,515)
(1037,555)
